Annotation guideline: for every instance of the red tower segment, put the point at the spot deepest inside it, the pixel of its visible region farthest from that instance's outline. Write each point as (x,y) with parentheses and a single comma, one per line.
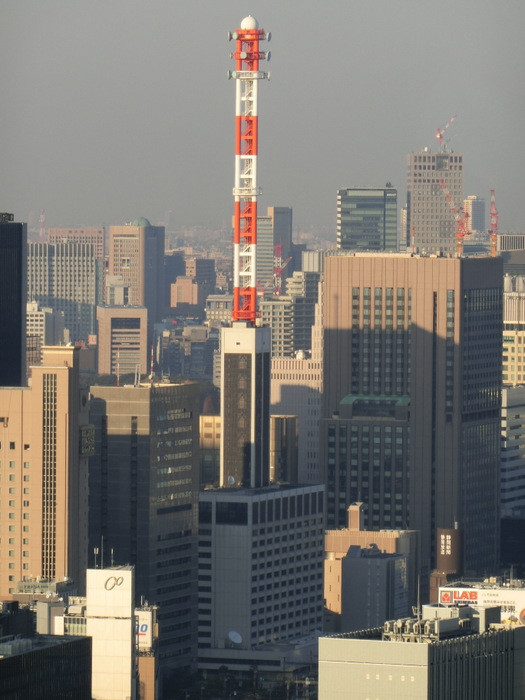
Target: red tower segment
(245,191)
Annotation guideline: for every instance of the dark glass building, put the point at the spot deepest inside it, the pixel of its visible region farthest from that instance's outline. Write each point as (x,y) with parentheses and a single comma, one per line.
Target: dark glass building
(13,271)
(367,218)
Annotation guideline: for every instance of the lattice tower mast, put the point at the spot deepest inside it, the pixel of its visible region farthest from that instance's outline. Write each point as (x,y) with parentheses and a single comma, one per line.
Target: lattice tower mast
(246,190)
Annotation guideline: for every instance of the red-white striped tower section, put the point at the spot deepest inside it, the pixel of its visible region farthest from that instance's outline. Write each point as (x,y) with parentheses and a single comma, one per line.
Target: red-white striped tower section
(245,191)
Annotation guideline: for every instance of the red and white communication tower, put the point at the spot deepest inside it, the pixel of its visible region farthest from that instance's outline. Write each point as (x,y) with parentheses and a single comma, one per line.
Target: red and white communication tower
(245,191)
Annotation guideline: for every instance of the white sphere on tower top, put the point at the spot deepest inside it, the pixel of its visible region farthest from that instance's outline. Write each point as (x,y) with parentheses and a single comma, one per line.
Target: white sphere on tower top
(249,23)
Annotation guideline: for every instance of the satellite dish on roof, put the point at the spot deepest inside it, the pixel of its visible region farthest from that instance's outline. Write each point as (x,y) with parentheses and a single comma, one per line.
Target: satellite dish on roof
(231,480)
(234,637)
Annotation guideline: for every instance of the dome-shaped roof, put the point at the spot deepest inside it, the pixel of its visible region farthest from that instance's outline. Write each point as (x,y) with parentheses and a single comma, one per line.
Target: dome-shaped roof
(249,23)
(141,221)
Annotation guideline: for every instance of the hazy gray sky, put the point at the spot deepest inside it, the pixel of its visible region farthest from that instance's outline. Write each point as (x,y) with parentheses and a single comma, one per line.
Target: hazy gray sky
(113,109)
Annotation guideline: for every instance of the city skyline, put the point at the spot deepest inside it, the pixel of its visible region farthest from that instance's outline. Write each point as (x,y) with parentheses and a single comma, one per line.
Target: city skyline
(112,111)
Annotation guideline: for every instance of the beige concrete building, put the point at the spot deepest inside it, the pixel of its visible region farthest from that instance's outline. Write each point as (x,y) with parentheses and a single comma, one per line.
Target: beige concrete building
(411,415)
(136,255)
(337,544)
(449,653)
(297,389)
(513,361)
(90,234)
(122,339)
(430,220)
(44,445)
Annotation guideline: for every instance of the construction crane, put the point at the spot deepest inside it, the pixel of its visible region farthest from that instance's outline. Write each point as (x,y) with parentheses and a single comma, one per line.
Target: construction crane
(440,132)
(461,219)
(278,267)
(493,224)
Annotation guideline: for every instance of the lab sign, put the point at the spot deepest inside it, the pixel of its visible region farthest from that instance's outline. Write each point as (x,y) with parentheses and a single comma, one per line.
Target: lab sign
(511,600)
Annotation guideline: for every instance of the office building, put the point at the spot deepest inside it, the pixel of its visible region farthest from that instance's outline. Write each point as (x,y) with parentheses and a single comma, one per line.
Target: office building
(218,310)
(245,405)
(210,450)
(90,234)
(45,668)
(136,256)
(107,615)
(143,487)
(513,359)
(13,275)
(411,415)
(67,277)
(45,445)
(122,340)
(513,452)
(260,573)
(297,389)
(277,313)
(273,229)
(284,440)
(374,587)
(337,584)
(474,207)
(367,218)
(430,222)
(448,653)
(45,323)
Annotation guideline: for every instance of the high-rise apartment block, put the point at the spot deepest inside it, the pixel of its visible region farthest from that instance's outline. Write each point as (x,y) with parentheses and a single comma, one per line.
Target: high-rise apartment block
(136,256)
(13,275)
(367,218)
(45,445)
(431,225)
(68,278)
(411,417)
(91,234)
(143,490)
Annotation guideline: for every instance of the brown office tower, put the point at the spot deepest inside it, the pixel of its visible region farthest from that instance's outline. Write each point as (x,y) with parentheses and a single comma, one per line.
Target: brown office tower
(245,406)
(143,499)
(45,442)
(411,427)
(136,256)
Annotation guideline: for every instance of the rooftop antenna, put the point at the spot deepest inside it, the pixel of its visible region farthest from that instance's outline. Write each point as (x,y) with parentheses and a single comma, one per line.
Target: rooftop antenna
(118,366)
(95,552)
(137,375)
(112,560)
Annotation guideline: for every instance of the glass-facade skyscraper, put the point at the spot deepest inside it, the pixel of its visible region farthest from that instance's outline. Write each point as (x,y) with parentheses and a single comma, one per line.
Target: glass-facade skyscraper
(367,218)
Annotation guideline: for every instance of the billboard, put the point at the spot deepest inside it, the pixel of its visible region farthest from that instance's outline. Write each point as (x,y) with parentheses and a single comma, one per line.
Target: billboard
(511,600)
(144,629)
